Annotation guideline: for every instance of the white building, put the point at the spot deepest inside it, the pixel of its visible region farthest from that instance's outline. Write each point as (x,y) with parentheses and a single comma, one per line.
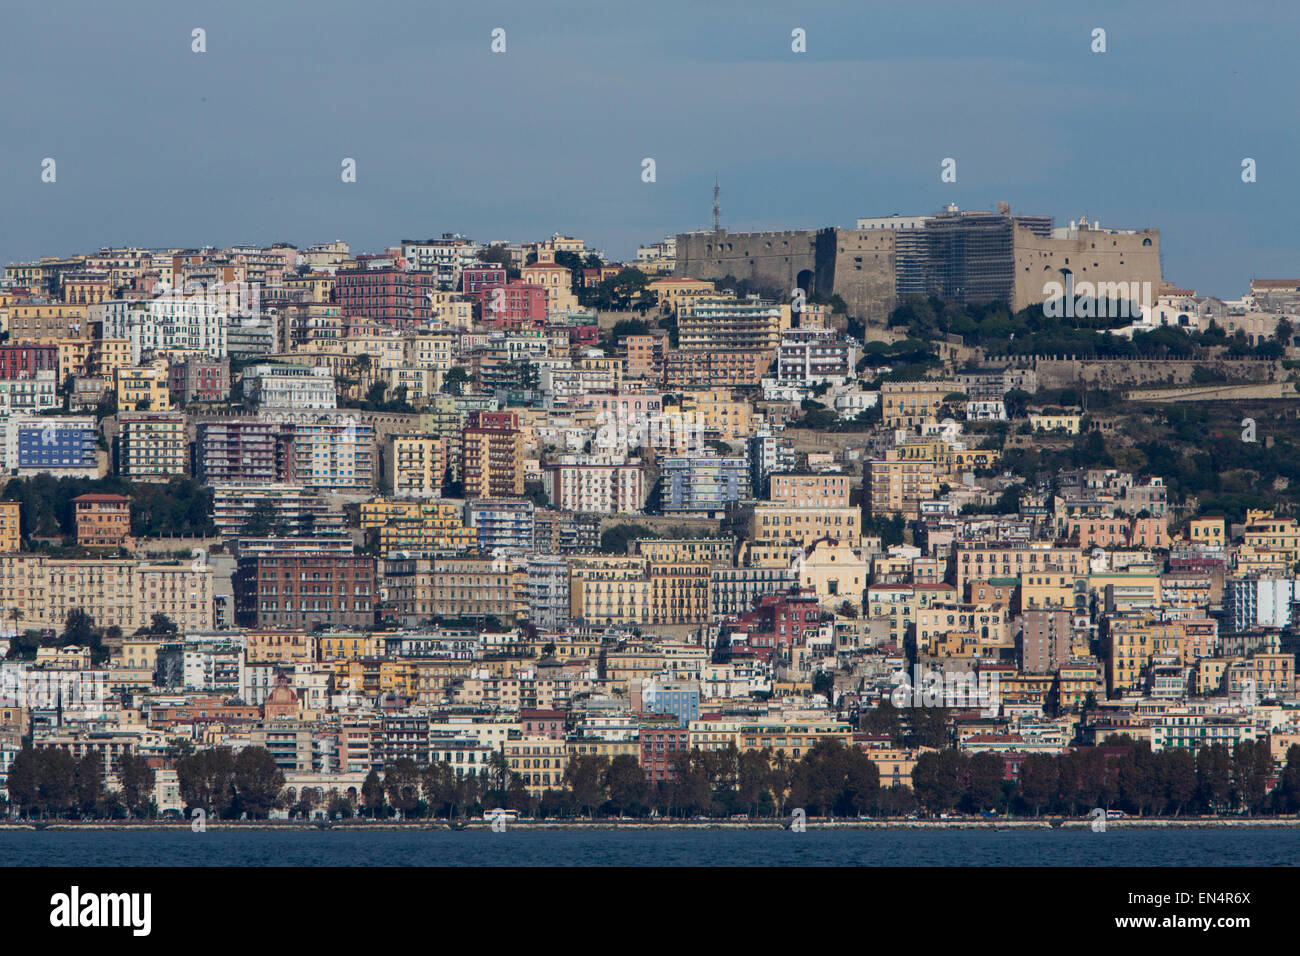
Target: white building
(191,323)
(1260,602)
(604,484)
(32,394)
(290,386)
(853,403)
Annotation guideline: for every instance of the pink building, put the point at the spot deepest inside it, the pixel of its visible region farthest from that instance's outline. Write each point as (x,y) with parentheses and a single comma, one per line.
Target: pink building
(512,304)
(390,296)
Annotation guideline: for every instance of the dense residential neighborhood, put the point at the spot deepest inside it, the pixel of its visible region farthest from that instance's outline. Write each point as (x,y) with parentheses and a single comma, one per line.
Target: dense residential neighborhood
(919,517)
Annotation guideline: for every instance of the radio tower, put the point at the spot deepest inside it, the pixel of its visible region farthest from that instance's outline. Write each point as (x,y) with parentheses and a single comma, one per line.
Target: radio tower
(717,208)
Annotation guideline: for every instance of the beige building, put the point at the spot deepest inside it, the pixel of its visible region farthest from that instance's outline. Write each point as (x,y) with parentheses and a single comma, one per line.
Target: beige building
(454,586)
(143,387)
(985,562)
(539,761)
(1098,257)
(836,570)
(909,404)
(415,465)
(10,527)
(811,489)
(1264,531)
(120,592)
(633,589)
(29,322)
(785,524)
(1067,423)
(899,482)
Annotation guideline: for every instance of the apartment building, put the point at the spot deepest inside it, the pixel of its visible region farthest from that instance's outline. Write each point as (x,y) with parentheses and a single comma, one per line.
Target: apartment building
(462,586)
(152,446)
(122,592)
(302,590)
(492,459)
(415,465)
(912,404)
(810,489)
(143,387)
(599,484)
(102,521)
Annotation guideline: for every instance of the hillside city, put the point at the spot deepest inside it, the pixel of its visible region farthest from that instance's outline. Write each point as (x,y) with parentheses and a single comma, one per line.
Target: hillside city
(966,513)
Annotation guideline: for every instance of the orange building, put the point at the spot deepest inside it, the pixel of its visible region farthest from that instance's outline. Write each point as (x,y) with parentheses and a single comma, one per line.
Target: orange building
(492,457)
(103,521)
(10,529)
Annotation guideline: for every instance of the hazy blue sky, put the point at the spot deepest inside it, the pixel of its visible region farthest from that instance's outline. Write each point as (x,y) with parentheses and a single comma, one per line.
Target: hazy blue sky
(160,146)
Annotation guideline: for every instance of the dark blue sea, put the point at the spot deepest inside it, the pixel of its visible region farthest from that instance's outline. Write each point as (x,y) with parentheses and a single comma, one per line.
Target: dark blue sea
(343,846)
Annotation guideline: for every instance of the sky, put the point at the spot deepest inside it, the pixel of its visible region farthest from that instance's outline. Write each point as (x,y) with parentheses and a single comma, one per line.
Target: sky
(158,146)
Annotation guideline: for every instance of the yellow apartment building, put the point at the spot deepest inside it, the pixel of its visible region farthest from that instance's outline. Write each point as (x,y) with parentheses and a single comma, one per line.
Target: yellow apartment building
(416,465)
(10,527)
(777,523)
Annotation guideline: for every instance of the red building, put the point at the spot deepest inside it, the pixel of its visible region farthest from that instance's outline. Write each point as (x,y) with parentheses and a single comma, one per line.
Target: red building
(583,334)
(198,379)
(512,304)
(296,590)
(486,419)
(786,619)
(390,296)
(660,742)
(474,279)
(21,360)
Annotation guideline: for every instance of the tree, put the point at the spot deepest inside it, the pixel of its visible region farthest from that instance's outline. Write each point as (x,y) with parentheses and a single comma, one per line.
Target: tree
(137,779)
(57,789)
(625,327)
(372,793)
(752,778)
(585,775)
(517,795)
(884,718)
(89,782)
(79,629)
(207,780)
(24,781)
(258,781)
(1038,781)
(1252,764)
(1016,402)
(616,539)
(628,289)
(930,727)
(455,381)
(261,519)
(984,781)
(535,491)
(691,791)
(823,682)
(1214,777)
(938,779)
(629,791)
(1178,778)
(402,785)
(1139,784)
(438,784)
